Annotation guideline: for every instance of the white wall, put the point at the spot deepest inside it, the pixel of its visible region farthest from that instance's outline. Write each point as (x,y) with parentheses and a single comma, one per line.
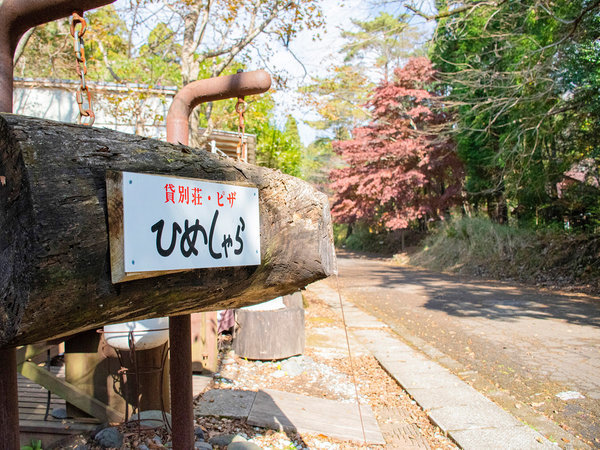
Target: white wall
(125,108)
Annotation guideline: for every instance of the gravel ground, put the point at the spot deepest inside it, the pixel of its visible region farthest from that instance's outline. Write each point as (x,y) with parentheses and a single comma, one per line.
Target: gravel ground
(322,371)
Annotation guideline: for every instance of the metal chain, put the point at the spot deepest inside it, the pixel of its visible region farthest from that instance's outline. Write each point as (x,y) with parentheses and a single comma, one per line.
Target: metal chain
(242,147)
(81,69)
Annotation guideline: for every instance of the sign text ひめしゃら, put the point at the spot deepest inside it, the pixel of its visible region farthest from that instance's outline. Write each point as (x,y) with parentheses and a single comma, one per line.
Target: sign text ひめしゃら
(174,223)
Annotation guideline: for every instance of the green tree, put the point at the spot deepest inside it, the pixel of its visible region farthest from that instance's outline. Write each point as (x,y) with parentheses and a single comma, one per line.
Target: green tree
(318,161)
(503,66)
(48,53)
(280,149)
(276,149)
(581,78)
(386,40)
(339,100)
(291,132)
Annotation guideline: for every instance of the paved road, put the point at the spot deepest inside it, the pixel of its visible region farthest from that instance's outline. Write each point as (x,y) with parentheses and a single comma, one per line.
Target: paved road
(523,342)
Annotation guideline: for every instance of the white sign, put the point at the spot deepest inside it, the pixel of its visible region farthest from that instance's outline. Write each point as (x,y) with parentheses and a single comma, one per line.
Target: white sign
(174,223)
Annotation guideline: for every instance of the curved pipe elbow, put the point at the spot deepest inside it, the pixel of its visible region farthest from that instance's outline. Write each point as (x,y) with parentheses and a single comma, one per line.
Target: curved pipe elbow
(209,90)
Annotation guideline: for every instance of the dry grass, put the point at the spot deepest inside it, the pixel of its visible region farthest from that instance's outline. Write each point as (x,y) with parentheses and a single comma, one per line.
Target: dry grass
(476,246)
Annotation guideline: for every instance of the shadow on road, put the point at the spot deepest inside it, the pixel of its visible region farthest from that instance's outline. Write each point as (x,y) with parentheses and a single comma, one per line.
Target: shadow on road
(467,298)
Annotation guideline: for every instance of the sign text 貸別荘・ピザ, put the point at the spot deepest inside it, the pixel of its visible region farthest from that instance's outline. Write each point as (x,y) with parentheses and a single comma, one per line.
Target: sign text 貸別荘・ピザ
(174,223)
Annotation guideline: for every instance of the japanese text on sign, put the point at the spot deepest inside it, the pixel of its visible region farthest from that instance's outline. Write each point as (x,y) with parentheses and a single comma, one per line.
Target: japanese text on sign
(183,195)
(177,223)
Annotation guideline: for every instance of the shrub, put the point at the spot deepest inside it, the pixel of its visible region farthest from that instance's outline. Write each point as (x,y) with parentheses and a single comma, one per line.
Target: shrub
(362,239)
(476,246)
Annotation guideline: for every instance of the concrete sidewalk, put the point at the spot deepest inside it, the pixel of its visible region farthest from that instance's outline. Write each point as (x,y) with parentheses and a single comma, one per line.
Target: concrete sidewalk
(285,411)
(468,417)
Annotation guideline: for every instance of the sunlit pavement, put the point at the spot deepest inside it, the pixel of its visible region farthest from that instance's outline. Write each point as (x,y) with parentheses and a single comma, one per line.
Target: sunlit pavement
(519,346)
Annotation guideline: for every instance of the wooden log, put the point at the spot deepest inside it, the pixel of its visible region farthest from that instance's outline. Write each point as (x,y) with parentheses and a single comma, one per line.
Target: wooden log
(31,351)
(54,249)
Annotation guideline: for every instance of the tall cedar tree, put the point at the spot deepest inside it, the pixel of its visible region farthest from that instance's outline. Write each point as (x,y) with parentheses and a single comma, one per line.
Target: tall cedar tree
(399,170)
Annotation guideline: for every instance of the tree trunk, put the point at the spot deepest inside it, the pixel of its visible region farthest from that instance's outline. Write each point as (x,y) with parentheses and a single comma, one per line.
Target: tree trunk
(54,258)
(498,209)
(271,334)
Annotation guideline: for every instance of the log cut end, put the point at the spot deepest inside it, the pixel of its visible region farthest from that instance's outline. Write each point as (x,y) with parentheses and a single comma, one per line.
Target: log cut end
(15,241)
(55,275)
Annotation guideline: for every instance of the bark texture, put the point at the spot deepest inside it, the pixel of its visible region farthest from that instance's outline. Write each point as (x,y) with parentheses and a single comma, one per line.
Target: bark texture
(54,257)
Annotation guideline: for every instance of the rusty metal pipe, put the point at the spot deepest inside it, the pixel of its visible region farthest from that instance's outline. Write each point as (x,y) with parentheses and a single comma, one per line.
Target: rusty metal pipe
(180,332)
(9,402)
(209,90)
(182,393)
(18,16)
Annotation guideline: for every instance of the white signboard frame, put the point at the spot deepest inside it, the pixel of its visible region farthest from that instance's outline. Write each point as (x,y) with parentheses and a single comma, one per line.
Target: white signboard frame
(173,224)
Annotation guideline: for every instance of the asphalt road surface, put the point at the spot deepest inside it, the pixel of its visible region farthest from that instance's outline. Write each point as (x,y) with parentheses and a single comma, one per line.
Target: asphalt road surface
(529,344)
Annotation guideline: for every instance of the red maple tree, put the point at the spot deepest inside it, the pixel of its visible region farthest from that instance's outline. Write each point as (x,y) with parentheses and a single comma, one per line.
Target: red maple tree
(399,168)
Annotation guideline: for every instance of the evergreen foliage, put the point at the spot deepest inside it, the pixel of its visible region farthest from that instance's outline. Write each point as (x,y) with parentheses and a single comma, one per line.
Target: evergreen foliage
(387,40)
(522,77)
